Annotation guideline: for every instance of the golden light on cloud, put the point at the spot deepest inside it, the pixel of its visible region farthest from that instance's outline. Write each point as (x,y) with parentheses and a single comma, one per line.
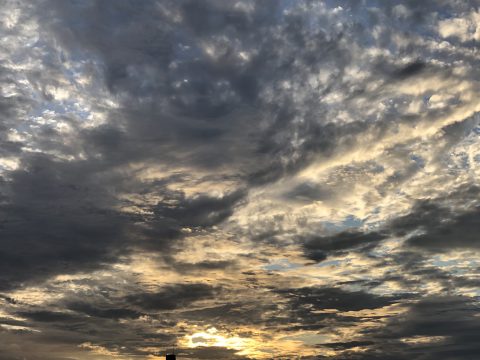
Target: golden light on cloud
(212,337)
(258,344)
(420,340)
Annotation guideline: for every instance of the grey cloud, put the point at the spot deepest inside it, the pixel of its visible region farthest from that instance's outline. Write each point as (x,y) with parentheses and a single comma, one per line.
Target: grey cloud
(246,93)
(317,248)
(304,307)
(176,212)
(435,225)
(447,317)
(236,312)
(438,223)
(54,219)
(201,266)
(410,70)
(347,345)
(58,217)
(108,312)
(309,192)
(173,297)
(199,211)
(318,298)
(50,316)
(195,100)
(460,233)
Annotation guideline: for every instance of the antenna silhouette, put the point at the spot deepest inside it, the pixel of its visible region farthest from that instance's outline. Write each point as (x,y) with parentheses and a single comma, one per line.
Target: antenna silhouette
(171,356)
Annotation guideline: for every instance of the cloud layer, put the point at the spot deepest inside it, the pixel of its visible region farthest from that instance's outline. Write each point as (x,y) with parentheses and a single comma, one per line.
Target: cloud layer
(245,179)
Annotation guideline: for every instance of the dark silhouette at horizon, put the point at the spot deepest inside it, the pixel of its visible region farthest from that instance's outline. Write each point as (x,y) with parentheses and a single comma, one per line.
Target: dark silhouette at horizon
(171,356)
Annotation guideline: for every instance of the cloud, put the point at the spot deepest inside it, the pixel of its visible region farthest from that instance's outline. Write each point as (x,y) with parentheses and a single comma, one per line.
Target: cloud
(199,211)
(313,298)
(54,219)
(410,70)
(317,248)
(435,225)
(287,177)
(428,327)
(50,316)
(464,28)
(211,351)
(172,297)
(456,234)
(439,227)
(109,313)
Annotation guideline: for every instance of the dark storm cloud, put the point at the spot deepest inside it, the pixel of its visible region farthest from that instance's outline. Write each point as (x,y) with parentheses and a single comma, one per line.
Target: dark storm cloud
(50,316)
(58,217)
(60,334)
(201,266)
(410,70)
(438,224)
(196,100)
(347,345)
(188,95)
(448,322)
(55,219)
(108,313)
(435,225)
(238,313)
(173,297)
(199,211)
(180,104)
(9,321)
(306,308)
(460,232)
(320,298)
(176,213)
(317,248)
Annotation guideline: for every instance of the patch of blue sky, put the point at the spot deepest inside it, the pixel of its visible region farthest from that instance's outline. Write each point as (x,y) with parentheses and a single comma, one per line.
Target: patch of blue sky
(281,265)
(64,107)
(418,160)
(328,263)
(349,222)
(438,262)
(455,266)
(458,161)
(377,169)
(286,265)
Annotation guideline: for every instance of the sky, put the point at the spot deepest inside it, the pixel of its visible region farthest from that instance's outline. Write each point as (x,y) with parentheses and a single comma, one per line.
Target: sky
(241,179)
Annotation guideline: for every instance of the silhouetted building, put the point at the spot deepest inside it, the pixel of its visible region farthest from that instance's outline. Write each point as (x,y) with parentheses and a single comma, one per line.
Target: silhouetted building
(171,356)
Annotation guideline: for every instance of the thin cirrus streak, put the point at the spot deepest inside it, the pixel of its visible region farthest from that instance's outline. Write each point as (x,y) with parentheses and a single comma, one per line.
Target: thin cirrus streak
(240,179)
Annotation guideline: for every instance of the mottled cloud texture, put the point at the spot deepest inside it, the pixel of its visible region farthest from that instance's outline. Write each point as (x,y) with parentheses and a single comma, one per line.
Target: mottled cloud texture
(244,179)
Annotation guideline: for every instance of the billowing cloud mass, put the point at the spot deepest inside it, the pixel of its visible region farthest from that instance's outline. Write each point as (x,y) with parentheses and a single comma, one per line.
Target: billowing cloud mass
(240,179)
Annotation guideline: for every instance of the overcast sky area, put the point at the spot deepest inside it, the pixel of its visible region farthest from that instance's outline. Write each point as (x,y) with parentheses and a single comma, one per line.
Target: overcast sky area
(244,179)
